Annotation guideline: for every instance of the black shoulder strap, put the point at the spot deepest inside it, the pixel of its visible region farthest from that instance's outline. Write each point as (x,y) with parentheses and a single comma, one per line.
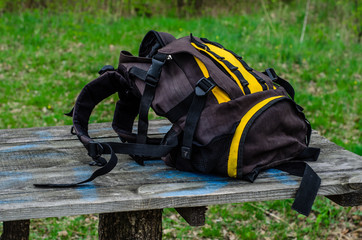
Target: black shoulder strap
(94,92)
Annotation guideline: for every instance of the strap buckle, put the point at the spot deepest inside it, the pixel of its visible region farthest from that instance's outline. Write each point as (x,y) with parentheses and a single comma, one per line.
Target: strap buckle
(203,86)
(154,72)
(151,81)
(186,152)
(271,73)
(95,149)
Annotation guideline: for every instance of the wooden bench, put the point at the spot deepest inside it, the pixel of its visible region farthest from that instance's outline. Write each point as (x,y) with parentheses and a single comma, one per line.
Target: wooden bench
(130,199)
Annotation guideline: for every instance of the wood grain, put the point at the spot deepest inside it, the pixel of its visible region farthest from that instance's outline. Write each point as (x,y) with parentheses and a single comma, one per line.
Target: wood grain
(40,155)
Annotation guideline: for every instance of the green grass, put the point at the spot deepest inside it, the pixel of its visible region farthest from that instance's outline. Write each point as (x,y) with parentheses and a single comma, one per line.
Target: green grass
(46,58)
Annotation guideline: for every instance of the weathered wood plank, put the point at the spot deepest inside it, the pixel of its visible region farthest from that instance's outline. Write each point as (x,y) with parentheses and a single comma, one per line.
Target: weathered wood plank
(108,196)
(130,187)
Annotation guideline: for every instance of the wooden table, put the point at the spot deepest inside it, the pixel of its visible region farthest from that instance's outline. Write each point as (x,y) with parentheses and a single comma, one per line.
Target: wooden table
(130,199)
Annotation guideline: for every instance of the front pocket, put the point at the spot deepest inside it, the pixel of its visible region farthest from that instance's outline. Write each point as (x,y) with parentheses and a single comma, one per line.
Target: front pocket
(235,158)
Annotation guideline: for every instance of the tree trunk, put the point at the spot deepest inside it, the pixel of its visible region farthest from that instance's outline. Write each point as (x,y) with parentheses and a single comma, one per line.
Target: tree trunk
(15,230)
(130,225)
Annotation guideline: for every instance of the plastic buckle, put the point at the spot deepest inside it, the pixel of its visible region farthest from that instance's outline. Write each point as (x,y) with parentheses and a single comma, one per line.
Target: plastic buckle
(185,152)
(155,68)
(203,86)
(271,73)
(95,150)
(151,81)
(154,72)
(105,69)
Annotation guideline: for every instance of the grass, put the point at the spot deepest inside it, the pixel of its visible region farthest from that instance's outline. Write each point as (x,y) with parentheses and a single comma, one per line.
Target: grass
(46,58)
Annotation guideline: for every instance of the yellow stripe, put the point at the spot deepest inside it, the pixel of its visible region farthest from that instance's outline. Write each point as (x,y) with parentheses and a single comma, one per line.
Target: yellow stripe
(202,67)
(220,95)
(234,148)
(254,85)
(222,64)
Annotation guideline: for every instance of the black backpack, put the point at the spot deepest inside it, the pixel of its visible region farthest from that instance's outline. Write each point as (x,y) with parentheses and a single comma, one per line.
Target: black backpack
(227,118)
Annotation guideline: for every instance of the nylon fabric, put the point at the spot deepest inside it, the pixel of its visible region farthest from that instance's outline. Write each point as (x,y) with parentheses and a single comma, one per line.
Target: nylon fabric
(235,144)
(220,95)
(254,84)
(224,66)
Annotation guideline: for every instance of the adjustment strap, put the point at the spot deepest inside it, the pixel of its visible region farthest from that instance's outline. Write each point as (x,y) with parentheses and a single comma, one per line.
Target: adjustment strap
(238,74)
(308,188)
(151,81)
(280,81)
(138,72)
(180,109)
(145,150)
(106,148)
(203,86)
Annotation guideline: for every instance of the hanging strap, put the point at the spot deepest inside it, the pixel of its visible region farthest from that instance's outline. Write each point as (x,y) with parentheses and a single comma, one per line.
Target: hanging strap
(99,172)
(308,187)
(203,86)
(310,183)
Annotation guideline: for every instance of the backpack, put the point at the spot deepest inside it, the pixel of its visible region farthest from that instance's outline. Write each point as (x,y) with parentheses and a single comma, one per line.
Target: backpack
(227,118)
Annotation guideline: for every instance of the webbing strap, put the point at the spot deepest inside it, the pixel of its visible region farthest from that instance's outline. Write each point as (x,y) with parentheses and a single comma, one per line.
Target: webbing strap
(180,109)
(138,72)
(310,183)
(203,86)
(151,81)
(308,188)
(145,150)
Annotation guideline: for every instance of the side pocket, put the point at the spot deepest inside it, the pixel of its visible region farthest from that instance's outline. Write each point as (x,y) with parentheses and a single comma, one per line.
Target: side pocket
(236,152)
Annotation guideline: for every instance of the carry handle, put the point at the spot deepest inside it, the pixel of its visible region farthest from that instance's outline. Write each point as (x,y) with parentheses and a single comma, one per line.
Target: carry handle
(280,81)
